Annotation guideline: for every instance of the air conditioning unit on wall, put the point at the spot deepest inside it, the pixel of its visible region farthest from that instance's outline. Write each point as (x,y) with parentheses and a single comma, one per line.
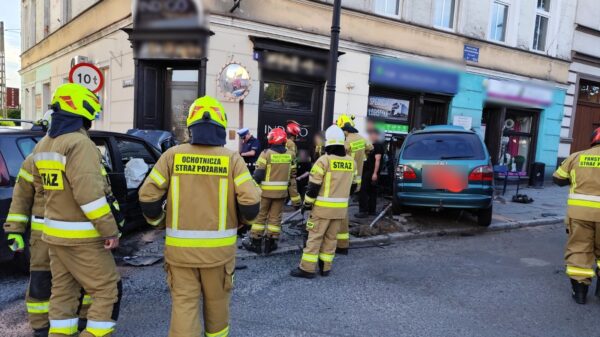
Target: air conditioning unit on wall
(79,59)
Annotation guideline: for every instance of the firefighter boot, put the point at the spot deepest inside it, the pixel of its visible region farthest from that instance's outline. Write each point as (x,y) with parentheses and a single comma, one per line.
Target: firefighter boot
(322,267)
(301,273)
(341,251)
(253,245)
(41,332)
(270,245)
(580,291)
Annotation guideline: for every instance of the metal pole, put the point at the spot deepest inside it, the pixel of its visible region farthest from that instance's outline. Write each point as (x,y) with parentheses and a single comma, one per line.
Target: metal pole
(333,56)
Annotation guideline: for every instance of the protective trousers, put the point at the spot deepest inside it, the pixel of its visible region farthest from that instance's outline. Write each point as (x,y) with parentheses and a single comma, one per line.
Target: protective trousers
(188,285)
(343,235)
(92,267)
(37,297)
(269,219)
(583,250)
(321,243)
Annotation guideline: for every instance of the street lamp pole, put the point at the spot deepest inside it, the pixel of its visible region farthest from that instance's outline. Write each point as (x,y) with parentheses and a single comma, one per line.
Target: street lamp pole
(333,58)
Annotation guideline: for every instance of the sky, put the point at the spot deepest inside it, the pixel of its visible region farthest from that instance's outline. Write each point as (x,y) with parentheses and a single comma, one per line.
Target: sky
(11,15)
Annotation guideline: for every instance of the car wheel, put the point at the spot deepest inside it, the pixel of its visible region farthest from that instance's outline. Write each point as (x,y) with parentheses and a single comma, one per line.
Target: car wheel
(484,217)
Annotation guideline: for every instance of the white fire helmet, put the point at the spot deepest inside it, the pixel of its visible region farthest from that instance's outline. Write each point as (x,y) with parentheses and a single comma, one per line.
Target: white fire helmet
(334,136)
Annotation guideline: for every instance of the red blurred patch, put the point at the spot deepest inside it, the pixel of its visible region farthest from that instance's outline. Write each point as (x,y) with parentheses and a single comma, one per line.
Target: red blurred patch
(448,178)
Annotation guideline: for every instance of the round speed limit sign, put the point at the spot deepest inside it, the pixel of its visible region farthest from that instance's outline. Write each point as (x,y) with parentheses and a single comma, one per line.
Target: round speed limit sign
(87,75)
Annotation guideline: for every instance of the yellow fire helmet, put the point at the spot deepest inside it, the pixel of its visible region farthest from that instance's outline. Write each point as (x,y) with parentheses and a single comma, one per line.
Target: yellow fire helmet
(76,99)
(207,110)
(345,119)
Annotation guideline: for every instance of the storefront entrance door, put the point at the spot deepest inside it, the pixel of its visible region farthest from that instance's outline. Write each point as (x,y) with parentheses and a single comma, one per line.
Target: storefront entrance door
(587,115)
(282,100)
(181,90)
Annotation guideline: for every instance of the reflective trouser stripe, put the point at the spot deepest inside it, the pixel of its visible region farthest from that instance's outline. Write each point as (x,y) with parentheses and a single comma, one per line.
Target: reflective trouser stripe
(201,239)
(70,230)
(576,271)
(37,307)
(598,264)
(17,218)
(313,258)
(25,175)
(64,326)
(157,221)
(326,257)
(273,228)
(343,236)
(296,198)
(157,177)
(96,209)
(87,300)
(258,227)
(242,178)
(222,333)
(100,329)
(308,200)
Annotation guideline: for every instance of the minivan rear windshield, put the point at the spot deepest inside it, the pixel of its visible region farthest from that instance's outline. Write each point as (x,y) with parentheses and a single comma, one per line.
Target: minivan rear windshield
(443,146)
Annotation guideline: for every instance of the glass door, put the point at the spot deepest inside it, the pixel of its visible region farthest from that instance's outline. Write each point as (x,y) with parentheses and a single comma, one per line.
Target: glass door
(181,91)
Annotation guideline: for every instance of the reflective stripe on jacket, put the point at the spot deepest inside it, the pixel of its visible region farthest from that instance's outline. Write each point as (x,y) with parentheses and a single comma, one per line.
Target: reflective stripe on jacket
(358,147)
(204,185)
(582,169)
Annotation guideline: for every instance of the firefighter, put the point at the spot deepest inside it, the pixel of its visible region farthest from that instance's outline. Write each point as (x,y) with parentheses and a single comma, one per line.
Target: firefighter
(293,131)
(581,170)
(358,148)
(274,172)
(332,180)
(79,226)
(206,188)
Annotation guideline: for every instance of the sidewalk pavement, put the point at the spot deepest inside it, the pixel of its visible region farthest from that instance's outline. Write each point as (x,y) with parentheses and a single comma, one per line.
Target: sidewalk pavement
(549,207)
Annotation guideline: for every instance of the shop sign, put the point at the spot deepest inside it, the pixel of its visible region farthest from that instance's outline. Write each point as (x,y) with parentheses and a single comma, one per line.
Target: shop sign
(392,128)
(471,53)
(388,109)
(292,63)
(464,121)
(166,50)
(395,73)
(234,82)
(518,92)
(167,13)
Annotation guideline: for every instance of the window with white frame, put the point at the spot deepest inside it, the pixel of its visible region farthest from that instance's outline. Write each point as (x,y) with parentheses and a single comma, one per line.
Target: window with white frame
(542,16)
(387,7)
(444,13)
(499,21)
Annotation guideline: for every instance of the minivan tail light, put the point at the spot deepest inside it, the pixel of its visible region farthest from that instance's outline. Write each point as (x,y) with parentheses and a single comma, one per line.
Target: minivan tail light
(405,172)
(4,176)
(482,173)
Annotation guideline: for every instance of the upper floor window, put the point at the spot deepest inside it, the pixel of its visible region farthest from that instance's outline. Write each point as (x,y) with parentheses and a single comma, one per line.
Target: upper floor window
(444,13)
(542,16)
(499,20)
(387,7)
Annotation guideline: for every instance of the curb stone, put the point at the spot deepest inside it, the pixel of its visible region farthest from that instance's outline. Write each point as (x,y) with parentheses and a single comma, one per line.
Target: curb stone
(386,239)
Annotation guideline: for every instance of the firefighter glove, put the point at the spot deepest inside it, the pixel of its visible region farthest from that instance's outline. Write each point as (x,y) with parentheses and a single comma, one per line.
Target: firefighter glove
(16,242)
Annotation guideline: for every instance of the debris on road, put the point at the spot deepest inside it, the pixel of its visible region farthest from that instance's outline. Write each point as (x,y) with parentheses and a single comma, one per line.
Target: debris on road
(141,261)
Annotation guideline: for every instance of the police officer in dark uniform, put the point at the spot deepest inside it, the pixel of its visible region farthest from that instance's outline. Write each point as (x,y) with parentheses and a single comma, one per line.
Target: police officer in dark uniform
(250,148)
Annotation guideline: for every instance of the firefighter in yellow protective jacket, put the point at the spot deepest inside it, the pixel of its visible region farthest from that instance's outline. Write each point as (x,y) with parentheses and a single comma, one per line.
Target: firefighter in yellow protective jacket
(332,180)
(275,170)
(581,170)
(79,227)
(358,148)
(206,188)
(292,130)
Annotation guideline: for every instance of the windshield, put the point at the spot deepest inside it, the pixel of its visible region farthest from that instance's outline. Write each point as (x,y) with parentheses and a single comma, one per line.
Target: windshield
(443,146)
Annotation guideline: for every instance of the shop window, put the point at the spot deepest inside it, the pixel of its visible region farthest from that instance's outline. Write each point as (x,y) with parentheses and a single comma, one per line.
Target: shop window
(444,13)
(387,7)
(287,96)
(516,146)
(181,92)
(540,32)
(589,92)
(499,20)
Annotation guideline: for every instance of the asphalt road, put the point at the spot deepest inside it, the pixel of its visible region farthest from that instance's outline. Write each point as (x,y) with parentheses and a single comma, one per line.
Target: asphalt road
(496,284)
